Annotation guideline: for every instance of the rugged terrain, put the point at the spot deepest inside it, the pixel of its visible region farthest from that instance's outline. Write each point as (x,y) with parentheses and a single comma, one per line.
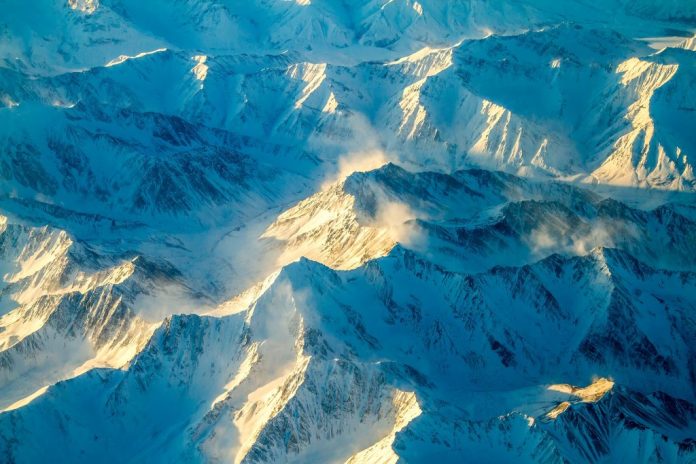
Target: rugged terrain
(359,232)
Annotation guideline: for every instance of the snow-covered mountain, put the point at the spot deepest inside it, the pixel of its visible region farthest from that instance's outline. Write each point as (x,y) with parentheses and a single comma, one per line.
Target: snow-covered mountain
(328,365)
(360,232)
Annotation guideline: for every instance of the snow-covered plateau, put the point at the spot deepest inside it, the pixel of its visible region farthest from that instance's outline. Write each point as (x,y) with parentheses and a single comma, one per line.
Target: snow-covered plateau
(356,232)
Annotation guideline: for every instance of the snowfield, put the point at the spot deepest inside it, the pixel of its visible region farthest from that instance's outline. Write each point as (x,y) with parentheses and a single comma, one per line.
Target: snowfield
(321,231)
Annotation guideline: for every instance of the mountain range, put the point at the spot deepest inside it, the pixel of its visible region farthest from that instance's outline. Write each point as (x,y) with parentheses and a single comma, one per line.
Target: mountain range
(321,231)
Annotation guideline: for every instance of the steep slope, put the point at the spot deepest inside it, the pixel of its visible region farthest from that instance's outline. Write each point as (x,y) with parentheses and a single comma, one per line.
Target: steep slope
(594,109)
(172,168)
(472,220)
(610,110)
(307,373)
(67,309)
